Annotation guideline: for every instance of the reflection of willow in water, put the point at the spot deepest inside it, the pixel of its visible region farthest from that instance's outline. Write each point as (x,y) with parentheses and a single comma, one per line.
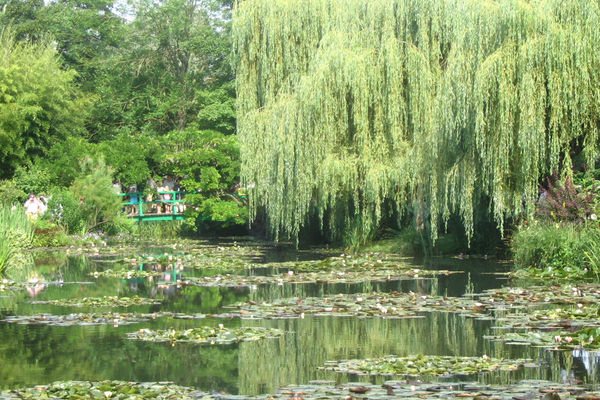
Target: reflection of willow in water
(266,365)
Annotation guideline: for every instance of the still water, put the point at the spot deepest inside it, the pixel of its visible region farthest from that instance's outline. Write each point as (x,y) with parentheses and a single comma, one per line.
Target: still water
(38,354)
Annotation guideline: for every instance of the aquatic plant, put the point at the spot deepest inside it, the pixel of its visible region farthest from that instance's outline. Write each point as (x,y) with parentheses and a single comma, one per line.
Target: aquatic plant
(424,365)
(80,319)
(322,390)
(124,273)
(103,390)
(363,305)
(327,276)
(206,334)
(106,301)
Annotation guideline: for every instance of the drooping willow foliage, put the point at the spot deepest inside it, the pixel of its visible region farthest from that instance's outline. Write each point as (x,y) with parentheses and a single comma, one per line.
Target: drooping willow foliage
(438,106)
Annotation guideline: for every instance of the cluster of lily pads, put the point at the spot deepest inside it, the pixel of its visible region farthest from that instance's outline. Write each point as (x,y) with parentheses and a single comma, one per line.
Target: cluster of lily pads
(326,276)
(390,305)
(106,301)
(323,390)
(588,338)
(80,319)
(206,334)
(124,273)
(104,390)
(421,365)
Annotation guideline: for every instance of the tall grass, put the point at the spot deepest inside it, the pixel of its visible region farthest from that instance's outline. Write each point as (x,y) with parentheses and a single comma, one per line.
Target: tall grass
(16,233)
(570,248)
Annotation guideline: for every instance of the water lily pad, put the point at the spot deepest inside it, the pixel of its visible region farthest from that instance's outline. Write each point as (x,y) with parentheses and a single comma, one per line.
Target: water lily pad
(554,318)
(424,365)
(104,390)
(328,276)
(519,297)
(314,390)
(389,305)
(106,301)
(206,334)
(83,319)
(588,338)
(124,273)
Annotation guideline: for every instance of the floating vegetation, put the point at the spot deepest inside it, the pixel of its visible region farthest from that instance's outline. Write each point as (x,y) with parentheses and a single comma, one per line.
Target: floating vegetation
(588,338)
(106,301)
(124,273)
(551,274)
(110,318)
(104,390)
(6,284)
(206,334)
(329,276)
(552,318)
(424,365)
(325,390)
(416,390)
(389,305)
(519,297)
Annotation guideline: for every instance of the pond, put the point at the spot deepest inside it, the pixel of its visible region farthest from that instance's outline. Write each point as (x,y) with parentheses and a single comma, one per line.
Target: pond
(223,285)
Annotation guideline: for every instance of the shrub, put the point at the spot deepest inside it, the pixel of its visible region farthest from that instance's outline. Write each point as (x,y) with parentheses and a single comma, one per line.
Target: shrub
(97,201)
(10,193)
(64,209)
(565,203)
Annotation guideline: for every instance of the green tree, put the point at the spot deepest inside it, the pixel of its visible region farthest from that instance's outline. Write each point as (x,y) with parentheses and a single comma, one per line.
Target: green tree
(347,108)
(208,163)
(168,72)
(39,103)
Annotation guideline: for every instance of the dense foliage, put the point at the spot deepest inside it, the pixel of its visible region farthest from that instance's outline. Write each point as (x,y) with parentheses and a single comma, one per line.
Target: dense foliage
(39,103)
(352,109)
(144,89)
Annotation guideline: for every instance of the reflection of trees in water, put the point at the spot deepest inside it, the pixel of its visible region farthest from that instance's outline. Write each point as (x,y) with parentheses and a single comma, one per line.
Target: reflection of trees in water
(34,355)
(266,365)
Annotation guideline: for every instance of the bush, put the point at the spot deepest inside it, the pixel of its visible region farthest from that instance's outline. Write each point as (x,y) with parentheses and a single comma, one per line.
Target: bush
(10,193)
(569,249)
(64,209)
(565,203)
(98,203)
(90,204)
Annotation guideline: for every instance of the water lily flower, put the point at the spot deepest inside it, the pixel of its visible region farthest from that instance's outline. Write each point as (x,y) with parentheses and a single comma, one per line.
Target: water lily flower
(557,339)
(220,326)
(568,339)
(107,394)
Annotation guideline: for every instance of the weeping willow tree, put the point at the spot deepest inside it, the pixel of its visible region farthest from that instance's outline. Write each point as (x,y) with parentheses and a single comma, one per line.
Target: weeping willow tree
(435,107)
